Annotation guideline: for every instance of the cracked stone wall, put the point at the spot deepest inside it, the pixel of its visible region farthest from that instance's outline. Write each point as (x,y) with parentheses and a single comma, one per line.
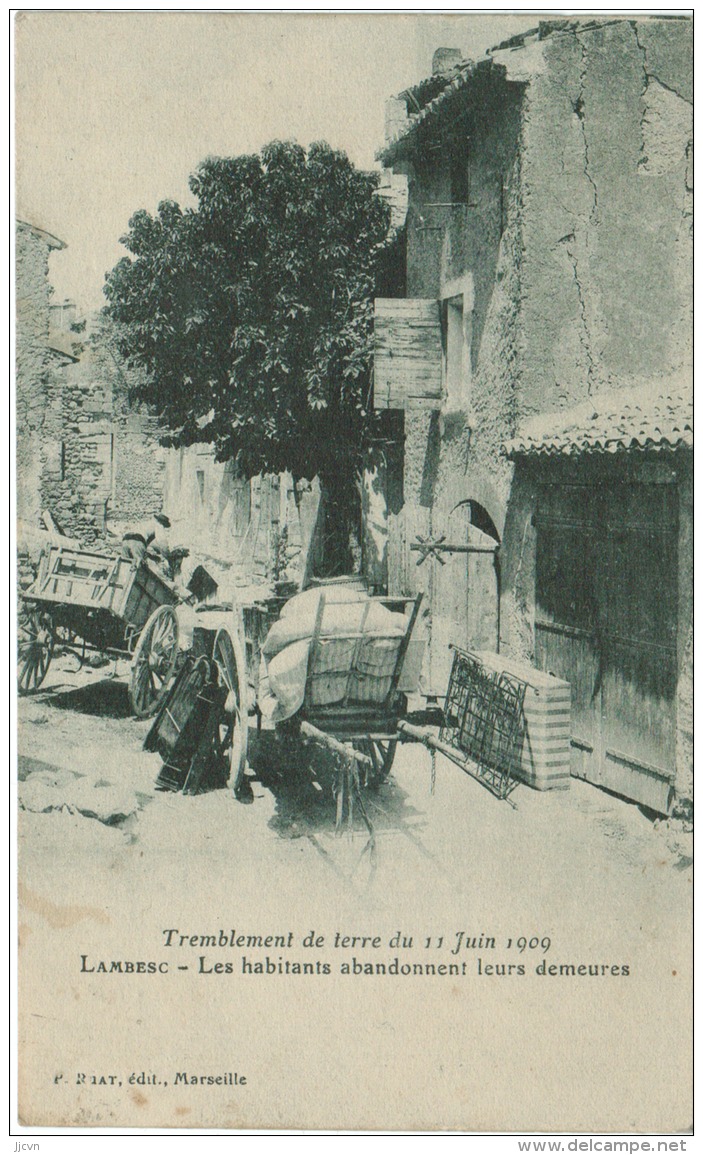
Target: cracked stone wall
(573,255)
(606,289)
(576,241)
(606,276)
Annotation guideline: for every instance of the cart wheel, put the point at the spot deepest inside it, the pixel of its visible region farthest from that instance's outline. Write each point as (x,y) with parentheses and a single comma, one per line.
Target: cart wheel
(381,752)
(154,661)
(229,658)
(35,646)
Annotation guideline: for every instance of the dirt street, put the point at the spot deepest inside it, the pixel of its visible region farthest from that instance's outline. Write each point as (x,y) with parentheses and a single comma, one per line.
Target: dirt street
(587,871)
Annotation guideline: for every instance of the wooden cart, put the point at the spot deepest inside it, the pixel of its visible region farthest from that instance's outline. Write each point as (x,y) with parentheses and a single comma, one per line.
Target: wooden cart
(357,687)
(355,693)
(110,605)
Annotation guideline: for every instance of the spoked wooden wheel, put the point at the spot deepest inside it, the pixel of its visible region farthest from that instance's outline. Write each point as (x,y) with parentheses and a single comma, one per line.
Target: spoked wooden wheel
(154,661)
(229,658)
(381,751)
(35,647)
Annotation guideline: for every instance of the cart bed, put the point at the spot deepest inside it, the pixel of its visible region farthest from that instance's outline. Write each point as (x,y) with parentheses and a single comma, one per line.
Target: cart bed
(90,580)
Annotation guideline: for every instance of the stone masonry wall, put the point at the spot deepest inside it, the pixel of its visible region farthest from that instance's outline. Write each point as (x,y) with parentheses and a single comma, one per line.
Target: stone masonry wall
(32,366)
(104,465)
(138,458)
(606,279)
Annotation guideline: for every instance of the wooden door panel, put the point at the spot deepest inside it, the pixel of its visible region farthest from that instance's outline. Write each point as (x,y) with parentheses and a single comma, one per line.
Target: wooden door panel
(640,586)
(567,564)
(566,640)
(464,594)
(639,688)
(482,602)
(606,620)
(639,645)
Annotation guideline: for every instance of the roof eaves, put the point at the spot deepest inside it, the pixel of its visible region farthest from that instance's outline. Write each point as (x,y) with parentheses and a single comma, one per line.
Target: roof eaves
(654,418)
(504,56)
(514,65)
(594,447)
(392,147)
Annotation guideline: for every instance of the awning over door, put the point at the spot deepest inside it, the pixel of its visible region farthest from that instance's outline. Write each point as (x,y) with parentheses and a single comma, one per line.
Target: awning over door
(652,417)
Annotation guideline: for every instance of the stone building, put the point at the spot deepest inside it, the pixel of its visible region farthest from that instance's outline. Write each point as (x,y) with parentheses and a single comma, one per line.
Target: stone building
(40,364)
(537,378)
(93,459)
(83,453)
(103,463)
(245,531)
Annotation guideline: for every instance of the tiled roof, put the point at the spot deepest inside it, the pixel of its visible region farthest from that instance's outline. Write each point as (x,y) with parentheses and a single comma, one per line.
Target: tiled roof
(652,417)
(462,77)
(511,58)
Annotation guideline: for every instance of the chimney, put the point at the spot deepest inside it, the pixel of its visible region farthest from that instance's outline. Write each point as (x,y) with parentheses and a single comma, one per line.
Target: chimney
(446,59)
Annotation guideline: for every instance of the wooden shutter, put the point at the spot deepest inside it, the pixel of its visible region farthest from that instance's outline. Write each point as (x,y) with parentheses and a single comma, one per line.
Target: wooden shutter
(407,353)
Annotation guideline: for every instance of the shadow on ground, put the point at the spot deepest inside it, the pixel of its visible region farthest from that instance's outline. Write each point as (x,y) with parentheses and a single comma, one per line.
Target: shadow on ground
(107,698)
(304,782)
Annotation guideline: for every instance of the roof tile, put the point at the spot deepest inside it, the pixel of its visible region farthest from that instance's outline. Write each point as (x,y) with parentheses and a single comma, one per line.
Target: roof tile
(652,417)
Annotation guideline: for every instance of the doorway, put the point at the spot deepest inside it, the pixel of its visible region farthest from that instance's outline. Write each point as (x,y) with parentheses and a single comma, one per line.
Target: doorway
(465,590)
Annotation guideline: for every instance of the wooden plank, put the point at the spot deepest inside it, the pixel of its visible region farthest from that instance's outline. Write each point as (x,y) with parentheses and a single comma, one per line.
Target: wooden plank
(309,731)
(402,650)
(357,650)
(314,645)
(407,352)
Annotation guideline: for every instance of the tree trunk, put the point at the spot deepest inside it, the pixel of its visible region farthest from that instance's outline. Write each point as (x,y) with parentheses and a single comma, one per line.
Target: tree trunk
(338,550)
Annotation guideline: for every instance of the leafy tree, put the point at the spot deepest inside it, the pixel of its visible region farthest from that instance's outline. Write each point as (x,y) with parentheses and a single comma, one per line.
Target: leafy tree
(252,314)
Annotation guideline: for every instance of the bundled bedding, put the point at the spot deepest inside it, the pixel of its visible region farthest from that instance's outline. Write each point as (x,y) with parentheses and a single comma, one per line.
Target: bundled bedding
(355,656)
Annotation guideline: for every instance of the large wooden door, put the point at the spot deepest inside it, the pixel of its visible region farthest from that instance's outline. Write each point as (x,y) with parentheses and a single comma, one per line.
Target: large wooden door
(605,621)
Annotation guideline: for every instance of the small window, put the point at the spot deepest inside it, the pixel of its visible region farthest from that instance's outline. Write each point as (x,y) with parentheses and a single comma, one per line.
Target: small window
(200,477)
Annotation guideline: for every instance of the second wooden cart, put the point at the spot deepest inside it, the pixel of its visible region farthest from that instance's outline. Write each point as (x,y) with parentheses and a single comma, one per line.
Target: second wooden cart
(91,601)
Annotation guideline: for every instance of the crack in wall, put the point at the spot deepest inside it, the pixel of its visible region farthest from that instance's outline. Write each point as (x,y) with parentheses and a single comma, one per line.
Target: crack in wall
(579,109)
(649,75)
(688,175)
(643,158)
(585,336)
(647,105)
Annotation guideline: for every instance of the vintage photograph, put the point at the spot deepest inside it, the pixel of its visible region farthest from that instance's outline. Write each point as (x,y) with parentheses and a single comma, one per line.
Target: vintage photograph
(354,553)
